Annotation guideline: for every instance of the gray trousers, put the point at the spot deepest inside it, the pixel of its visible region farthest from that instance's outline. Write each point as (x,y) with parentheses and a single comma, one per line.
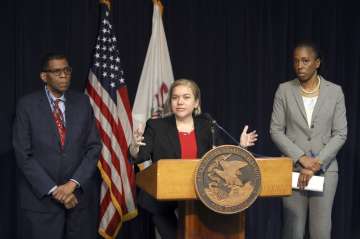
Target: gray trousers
(313,205)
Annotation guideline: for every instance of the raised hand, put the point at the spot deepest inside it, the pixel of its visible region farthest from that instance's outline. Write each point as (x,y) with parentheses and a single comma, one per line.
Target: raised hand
(248,139)
(137,141)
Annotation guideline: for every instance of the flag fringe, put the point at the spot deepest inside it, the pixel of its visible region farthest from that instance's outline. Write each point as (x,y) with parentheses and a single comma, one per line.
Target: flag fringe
(124,217)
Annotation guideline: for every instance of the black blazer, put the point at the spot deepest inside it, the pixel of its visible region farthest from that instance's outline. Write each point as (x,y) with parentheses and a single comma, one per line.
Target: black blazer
(162,142)
(40,160)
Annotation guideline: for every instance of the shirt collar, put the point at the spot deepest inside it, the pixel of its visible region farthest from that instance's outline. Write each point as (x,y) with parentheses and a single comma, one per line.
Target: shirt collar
(52,98)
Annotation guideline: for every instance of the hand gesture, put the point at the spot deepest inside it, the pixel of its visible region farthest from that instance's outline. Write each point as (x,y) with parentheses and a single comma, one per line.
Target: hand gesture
(248,139)
(138,137)
(137,141)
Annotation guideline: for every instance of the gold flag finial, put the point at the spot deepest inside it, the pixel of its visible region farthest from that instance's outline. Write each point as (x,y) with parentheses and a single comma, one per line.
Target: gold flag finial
(158,2)
(106,2)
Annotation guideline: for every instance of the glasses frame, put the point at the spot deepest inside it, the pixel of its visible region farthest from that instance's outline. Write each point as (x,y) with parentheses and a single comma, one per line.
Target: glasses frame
(57,72)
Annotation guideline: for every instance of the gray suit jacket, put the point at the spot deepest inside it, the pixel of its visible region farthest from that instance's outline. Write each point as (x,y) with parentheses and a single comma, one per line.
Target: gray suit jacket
(291,133)
(40,160)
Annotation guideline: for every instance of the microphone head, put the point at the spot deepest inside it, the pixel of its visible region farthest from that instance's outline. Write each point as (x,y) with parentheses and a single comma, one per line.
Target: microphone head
(208,117)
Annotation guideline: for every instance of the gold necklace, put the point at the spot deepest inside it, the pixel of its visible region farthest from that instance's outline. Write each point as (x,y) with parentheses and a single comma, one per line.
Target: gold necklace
(311,92)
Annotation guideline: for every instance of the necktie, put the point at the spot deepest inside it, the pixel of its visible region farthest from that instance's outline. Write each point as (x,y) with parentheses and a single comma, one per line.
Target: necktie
(58,117)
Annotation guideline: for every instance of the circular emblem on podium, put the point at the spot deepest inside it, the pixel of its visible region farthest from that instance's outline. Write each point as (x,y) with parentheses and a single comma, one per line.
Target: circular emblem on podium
(227,179)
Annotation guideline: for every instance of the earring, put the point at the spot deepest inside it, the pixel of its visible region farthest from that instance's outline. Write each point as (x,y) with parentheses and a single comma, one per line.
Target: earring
(196,110)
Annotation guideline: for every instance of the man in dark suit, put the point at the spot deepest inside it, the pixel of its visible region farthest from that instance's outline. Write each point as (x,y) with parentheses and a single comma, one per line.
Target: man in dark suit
(57,147)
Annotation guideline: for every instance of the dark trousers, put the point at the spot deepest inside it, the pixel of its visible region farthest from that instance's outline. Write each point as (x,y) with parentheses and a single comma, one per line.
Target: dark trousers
(166,224)
(67,224)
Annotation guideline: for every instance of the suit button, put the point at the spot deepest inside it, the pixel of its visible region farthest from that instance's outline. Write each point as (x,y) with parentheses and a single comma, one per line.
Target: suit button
(309,139)
(312,126)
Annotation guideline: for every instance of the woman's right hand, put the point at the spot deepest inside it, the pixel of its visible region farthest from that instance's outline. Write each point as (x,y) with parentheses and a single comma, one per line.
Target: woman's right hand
(137,141)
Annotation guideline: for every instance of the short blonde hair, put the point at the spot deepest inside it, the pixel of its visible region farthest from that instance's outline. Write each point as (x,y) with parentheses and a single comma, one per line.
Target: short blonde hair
(195,90)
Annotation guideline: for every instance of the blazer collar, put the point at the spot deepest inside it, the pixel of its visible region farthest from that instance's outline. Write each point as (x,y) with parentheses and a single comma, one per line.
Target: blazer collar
(201,145)
(321,99)
(45,108)
(70,113)
(173,136)
(299,99)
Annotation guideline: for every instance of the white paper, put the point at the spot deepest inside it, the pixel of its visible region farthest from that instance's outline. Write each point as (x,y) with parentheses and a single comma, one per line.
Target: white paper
(316,183)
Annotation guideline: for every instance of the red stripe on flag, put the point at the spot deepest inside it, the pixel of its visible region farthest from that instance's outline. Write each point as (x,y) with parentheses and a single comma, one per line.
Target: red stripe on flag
(123,145)
(116,129)
(123,92)
(111,228)
(105,202)
(115,191)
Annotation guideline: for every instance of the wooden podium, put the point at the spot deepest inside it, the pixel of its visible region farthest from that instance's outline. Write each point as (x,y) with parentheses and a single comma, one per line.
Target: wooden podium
(173,179)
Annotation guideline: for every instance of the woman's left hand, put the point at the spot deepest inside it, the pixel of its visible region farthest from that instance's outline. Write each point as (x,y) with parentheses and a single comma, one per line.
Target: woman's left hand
(248,139)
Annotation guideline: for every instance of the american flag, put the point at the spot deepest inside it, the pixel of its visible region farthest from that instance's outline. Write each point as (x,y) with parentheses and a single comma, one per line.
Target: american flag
(109,98)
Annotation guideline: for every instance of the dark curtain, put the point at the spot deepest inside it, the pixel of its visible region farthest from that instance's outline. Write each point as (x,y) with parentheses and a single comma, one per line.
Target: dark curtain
(238,52)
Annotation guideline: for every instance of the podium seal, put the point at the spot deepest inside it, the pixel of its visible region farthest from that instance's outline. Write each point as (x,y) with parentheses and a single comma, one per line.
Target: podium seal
(227,179)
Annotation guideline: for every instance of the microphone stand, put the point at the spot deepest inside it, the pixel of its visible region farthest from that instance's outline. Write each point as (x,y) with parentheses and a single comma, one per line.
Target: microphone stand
(214,123)
(227,134)
(212,129)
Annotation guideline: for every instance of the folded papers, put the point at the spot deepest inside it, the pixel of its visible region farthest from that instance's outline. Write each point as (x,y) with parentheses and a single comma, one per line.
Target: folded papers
(316,183)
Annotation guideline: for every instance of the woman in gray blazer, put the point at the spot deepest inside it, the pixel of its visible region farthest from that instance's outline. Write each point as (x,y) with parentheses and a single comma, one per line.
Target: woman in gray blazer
(308,124)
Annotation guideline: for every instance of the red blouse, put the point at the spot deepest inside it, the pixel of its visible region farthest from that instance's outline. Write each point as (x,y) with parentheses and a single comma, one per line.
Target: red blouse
(188,145)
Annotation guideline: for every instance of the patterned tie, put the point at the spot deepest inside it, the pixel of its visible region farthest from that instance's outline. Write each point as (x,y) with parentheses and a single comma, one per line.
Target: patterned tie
(58,117)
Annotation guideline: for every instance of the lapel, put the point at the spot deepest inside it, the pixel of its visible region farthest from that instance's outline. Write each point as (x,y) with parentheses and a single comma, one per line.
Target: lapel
(46,113)
(321,99)
(198,133)
(173,136)
(298,99)
(70,116)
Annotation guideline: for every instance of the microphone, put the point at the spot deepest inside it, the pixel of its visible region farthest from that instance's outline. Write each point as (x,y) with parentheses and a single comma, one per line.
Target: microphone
(214,123)
(209,118)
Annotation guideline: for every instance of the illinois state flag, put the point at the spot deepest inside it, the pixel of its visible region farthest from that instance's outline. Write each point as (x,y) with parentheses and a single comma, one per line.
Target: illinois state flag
(156,76)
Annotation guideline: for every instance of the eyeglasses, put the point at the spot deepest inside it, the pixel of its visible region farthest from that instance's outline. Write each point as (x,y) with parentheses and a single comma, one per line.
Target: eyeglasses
(67,71)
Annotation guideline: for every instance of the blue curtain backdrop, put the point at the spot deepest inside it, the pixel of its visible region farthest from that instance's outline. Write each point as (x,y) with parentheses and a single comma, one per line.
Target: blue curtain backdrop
(238,52)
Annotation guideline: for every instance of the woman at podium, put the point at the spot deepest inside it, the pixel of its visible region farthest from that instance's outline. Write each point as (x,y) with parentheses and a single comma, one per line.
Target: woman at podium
(308,124)
(184,134)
